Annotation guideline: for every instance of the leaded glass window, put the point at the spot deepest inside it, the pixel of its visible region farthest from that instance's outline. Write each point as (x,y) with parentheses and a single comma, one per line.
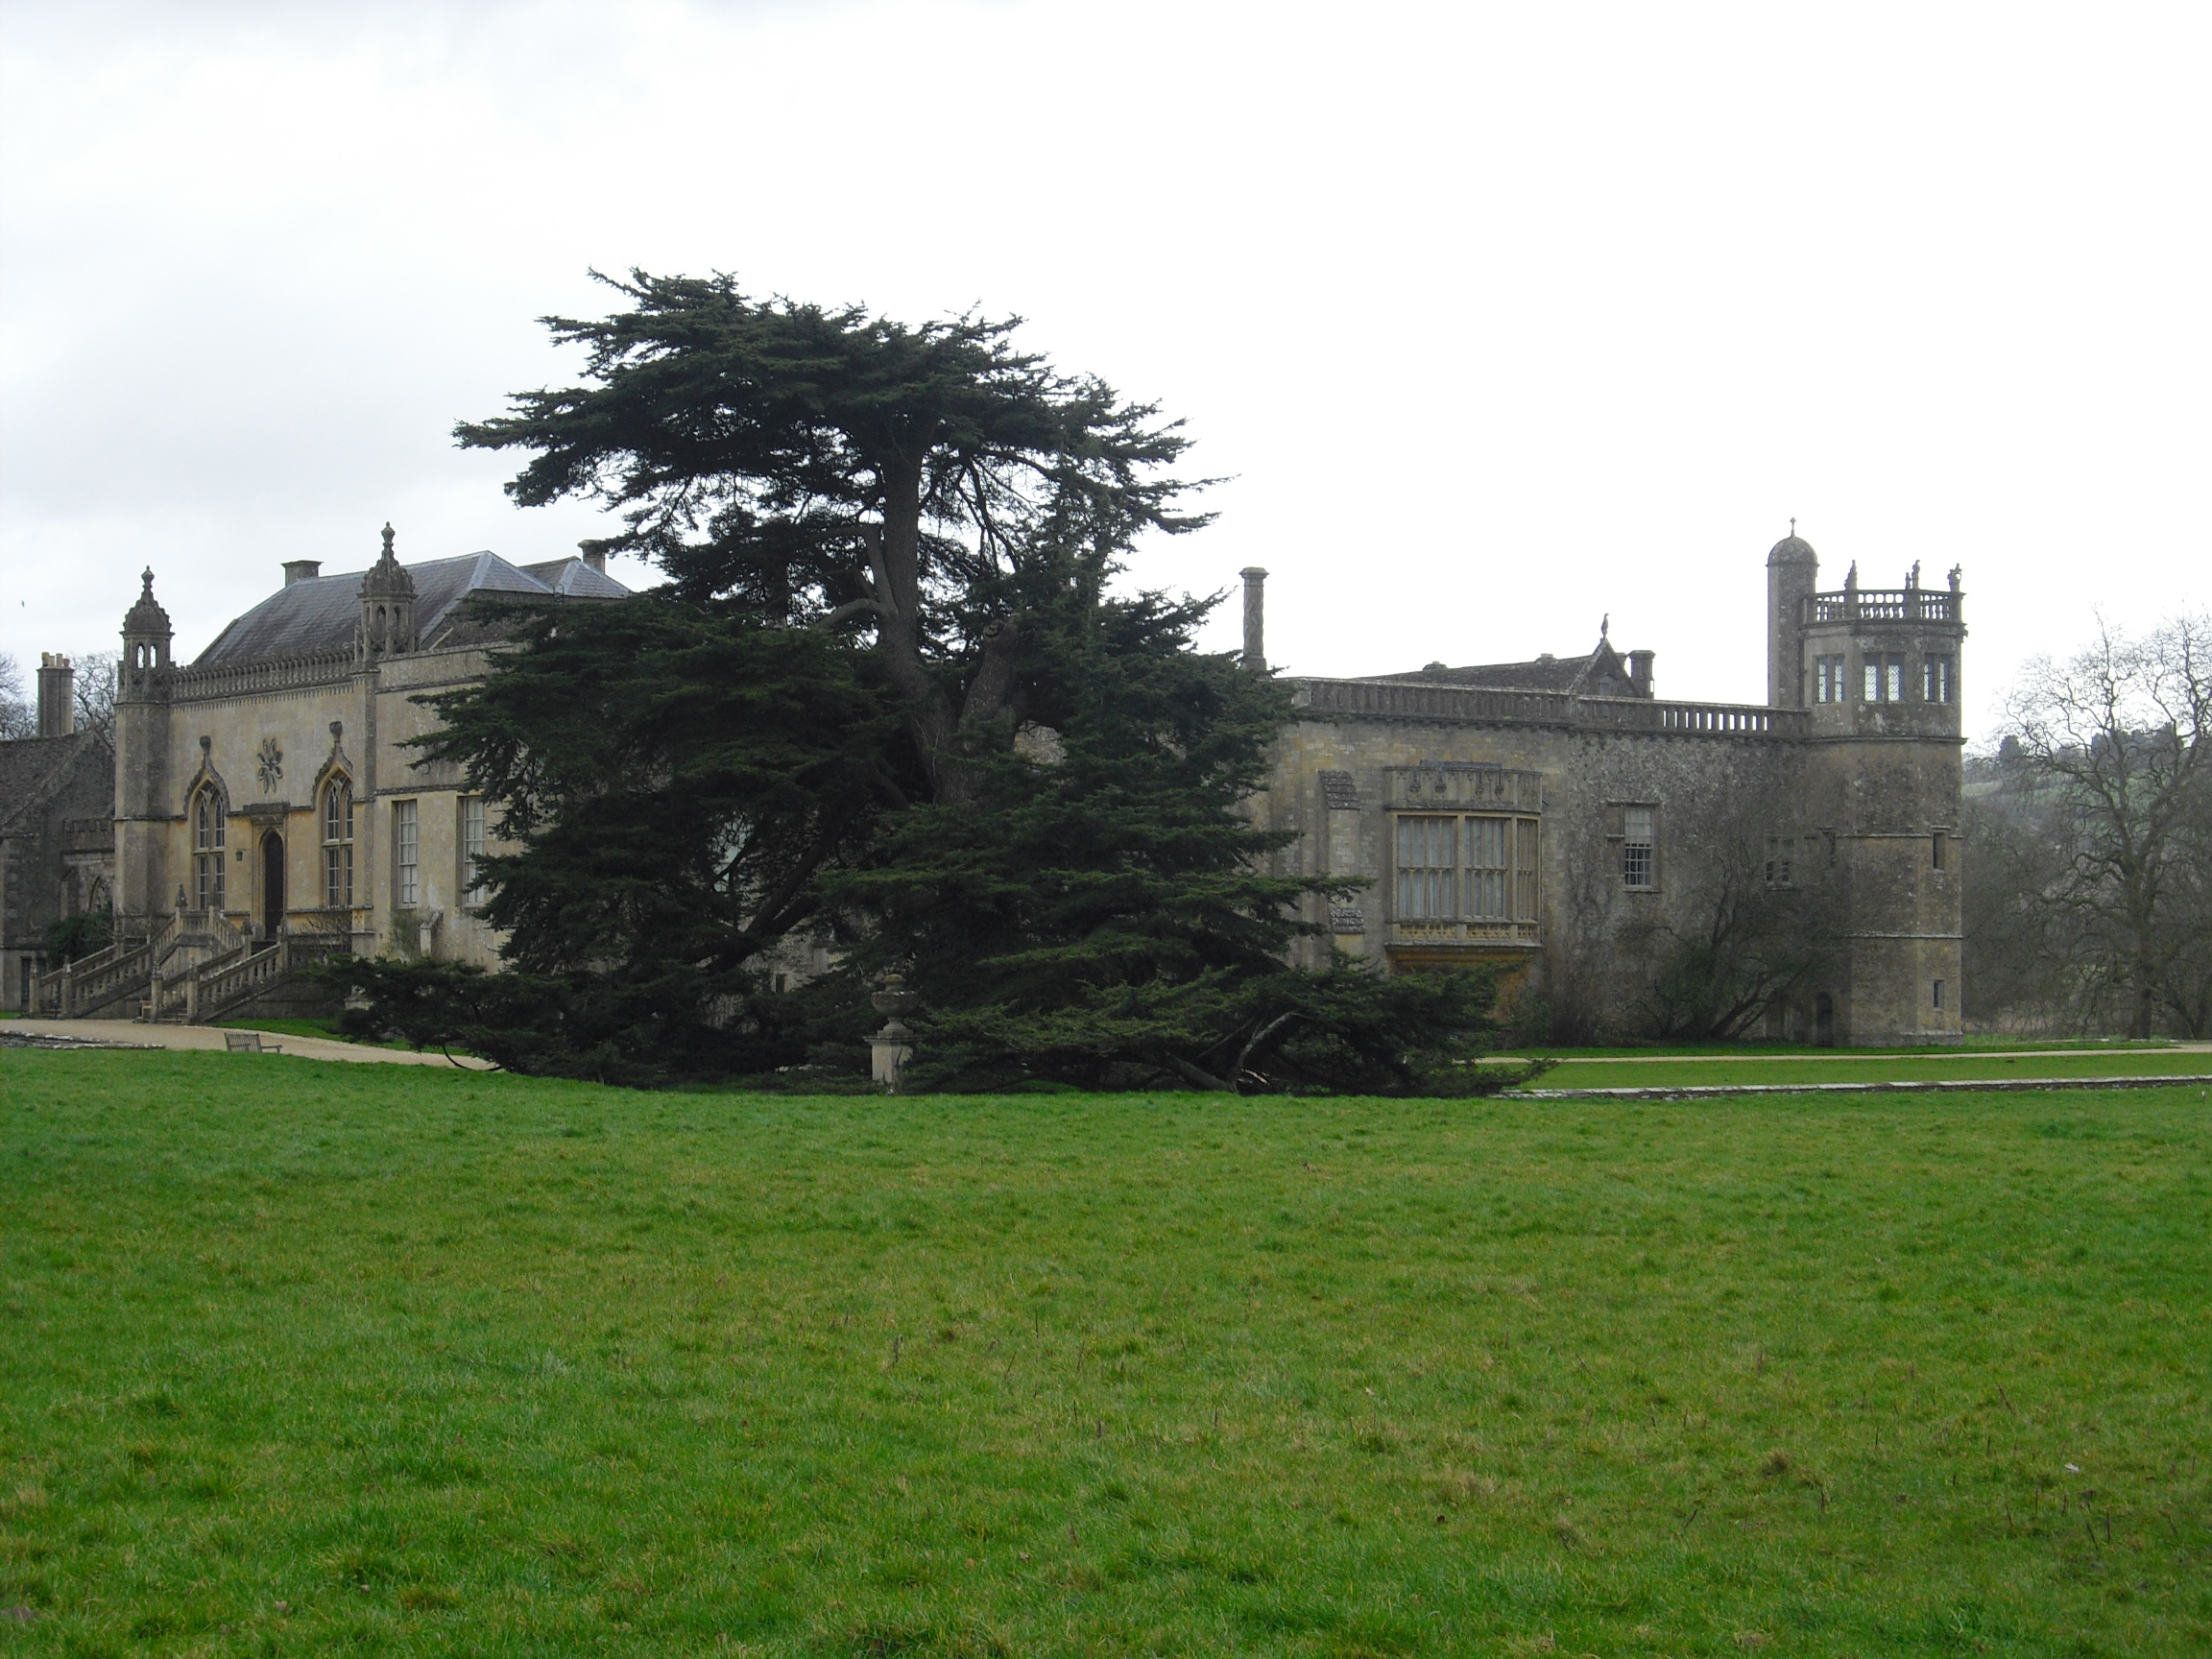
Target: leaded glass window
(338,844)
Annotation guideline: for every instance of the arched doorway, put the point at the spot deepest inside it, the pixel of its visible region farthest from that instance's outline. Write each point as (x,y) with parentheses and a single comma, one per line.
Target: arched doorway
(1824,1020)
(272,884)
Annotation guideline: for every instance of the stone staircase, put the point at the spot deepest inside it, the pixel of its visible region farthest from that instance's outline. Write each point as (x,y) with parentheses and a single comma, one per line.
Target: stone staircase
(194,969)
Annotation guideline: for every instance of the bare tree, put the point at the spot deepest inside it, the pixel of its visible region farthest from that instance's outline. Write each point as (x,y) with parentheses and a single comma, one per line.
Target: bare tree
(1741,930)
(1743,937)
(2022,957)
(95,694)
(2111,745)
(18,717)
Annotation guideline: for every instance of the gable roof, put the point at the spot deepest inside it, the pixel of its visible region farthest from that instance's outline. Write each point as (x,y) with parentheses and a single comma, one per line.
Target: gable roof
(322,613)
(1602,673)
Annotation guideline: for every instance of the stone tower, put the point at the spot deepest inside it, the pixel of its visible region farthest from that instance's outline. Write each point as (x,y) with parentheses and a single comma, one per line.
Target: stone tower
(387,607)
(142,808)
(1793,573)
(1882,682)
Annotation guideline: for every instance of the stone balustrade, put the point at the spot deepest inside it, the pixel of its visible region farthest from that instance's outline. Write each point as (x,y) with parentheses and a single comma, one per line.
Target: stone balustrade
(1911,605)
(1478,705)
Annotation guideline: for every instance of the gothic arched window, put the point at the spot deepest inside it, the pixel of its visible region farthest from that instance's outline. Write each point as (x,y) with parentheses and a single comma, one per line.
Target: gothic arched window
(208,815)
(338,844)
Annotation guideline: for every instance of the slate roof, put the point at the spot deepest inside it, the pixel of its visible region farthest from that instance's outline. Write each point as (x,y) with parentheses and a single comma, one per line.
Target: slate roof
(1588,674)
(30,767)
(322,613)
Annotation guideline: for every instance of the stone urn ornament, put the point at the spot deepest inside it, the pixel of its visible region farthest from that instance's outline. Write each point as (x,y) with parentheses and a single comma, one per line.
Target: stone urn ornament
(891,1048)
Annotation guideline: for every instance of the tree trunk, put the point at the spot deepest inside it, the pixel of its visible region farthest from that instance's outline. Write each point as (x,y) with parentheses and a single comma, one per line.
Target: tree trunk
(948,741)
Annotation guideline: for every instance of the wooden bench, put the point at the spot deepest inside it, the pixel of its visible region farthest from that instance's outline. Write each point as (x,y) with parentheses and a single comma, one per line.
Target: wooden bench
(250,1043)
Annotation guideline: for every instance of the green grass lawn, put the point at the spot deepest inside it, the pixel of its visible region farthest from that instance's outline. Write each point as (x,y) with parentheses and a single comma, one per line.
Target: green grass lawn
(306,1359)
(1826,1065)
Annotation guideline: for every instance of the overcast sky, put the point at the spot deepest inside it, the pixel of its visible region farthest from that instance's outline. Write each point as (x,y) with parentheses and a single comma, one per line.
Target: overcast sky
(1498,318)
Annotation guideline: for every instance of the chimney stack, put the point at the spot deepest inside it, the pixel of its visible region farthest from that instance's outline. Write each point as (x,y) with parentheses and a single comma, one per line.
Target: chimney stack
(57,696)
(1640,671)
(302,570)
(594,554)
(1255,619)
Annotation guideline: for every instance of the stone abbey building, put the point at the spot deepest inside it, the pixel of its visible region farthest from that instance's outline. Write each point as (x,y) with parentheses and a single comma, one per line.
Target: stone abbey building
(1559,815)
(1556,815)
(267,812)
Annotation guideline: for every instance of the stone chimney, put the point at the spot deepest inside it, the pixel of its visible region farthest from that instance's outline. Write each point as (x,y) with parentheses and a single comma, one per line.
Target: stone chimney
(1255,619)
(302,570)
(57,696)
(1640,671)
(594,554)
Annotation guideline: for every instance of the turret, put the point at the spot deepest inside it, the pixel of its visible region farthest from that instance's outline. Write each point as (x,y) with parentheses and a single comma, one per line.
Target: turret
(142,804)
(1883,790)
(143,675)
(387,607)
(1792,574)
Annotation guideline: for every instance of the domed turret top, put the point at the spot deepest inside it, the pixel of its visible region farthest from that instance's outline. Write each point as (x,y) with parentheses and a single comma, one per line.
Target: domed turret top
(1793,549)
(146,616)
(387,577)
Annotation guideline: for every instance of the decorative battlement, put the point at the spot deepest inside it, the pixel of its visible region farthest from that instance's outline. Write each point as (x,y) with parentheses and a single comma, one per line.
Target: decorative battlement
(1482,704)
(1936,605)
(269,674)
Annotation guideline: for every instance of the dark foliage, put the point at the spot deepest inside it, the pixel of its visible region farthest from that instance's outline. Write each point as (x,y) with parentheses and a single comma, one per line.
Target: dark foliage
(837,468)
(73,937)
(886,705)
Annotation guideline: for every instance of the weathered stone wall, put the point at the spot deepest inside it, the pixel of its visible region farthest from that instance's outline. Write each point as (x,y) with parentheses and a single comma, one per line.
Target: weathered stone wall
(1852,819)
(269,742)
(56,845)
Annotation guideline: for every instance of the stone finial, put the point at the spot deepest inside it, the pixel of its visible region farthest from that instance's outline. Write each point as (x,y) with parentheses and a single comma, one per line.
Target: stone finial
(146,618)
(387,605)
(1955,569)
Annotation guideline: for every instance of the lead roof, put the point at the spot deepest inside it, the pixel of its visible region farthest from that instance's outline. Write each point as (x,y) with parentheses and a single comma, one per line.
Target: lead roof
(322,613)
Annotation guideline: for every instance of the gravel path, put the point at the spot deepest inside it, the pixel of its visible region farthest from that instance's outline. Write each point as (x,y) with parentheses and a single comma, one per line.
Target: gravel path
(130,1034)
